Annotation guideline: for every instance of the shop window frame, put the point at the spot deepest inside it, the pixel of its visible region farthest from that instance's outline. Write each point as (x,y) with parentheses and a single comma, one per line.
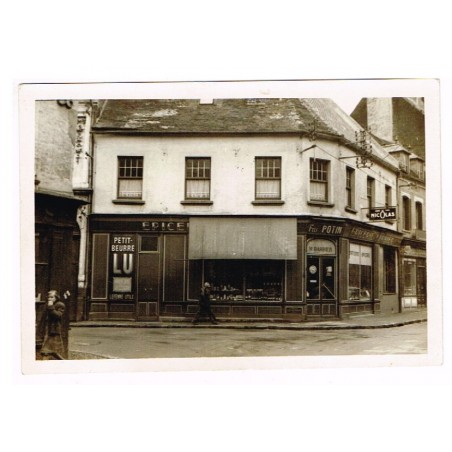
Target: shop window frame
(411,289)
(358,289)
(239,292)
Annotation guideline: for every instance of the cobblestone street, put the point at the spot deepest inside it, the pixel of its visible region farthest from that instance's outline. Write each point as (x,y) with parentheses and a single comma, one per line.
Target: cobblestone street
(190,342)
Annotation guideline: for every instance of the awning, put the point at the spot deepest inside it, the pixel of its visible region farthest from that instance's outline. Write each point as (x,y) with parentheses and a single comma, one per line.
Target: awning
(242,238)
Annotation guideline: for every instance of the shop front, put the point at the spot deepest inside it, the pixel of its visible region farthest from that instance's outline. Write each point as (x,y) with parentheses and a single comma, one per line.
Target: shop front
(414,275)
(350,267)
(138,264)
(145,268)
(248,263)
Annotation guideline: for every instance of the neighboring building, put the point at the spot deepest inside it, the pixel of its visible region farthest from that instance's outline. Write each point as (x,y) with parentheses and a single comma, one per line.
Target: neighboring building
(58,210)
(398,125)
(266,199)
(395,120)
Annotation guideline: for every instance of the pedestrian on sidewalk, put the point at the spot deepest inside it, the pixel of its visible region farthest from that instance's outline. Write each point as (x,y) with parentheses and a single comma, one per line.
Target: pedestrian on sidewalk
(53,341)
(205,309)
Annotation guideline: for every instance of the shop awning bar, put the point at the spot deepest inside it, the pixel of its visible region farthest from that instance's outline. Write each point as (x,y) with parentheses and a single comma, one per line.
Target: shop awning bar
(243,238)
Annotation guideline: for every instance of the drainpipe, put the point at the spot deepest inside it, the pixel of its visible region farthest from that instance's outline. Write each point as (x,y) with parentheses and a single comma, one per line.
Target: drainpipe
(82,185)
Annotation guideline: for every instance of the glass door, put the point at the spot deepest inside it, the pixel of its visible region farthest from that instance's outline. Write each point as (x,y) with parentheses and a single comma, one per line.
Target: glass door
(321,278)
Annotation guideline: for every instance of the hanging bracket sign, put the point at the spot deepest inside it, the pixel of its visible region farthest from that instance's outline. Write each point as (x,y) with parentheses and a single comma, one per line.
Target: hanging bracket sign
(383,214)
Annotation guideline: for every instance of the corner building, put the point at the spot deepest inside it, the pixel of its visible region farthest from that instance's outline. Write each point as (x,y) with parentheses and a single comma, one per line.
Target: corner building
(266,199)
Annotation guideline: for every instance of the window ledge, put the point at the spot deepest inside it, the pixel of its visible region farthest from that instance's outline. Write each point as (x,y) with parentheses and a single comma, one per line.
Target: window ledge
(267,202)
(128,201)
(349,209)
(320,204)
(197,202)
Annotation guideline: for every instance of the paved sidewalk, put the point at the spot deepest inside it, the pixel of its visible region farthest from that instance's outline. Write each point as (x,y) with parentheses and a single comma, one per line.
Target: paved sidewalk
(365,321)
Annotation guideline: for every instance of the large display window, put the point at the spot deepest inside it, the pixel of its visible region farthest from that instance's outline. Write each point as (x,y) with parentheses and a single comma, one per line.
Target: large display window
(409,277)
(360,272)
(245,280)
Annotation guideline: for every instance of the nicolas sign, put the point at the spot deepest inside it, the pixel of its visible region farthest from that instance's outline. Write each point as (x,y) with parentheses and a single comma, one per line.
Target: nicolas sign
(382,214)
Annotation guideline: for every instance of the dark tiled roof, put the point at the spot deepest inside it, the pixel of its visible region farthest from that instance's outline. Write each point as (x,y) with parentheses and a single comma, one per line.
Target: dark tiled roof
(221,116)
(343,124)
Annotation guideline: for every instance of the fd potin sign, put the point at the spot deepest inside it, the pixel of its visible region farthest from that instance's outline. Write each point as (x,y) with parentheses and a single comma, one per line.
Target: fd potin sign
(383,214)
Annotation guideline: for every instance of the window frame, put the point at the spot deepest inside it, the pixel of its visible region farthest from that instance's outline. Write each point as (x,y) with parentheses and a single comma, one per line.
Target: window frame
(268,177)
(355,292)
(419,211)
(326,181)
(409,271)
(350,187)
(198,178)
(370,192)
(388,196)
(406,213)
(139,169)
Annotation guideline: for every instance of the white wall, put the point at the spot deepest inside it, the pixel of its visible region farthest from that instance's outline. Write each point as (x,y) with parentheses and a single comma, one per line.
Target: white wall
(232,175)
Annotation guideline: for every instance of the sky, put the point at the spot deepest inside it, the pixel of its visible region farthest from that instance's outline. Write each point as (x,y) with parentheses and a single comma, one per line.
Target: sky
(347,102)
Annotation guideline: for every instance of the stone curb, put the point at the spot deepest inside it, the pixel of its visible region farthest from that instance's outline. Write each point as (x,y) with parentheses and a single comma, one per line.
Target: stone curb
(248,326)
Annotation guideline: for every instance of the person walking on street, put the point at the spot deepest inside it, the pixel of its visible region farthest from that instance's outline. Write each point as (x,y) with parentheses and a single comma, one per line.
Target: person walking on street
(204,306)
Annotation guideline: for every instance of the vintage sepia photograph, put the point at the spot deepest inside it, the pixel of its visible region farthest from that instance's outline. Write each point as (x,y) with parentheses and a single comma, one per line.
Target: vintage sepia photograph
(274,222)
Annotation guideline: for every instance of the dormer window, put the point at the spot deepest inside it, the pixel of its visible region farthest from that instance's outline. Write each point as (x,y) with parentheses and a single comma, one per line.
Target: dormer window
(404,162)
(403,156)
(417,168)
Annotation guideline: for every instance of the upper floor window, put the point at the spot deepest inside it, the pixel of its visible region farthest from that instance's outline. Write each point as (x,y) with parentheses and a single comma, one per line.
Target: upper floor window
(319,176)
(419,216)
(130,177)
(417,168)
(406,206)
(388,196)
(370,192)
(268,177)
(404,162)
(197,178)
(350,187)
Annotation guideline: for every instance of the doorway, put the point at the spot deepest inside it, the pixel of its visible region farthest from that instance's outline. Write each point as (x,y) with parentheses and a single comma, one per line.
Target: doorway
(421,283)
(148,280)
(321,278)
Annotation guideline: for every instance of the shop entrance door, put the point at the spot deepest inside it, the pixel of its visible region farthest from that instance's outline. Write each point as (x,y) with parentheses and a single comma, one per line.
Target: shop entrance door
(148,279)
(421,285)
(321,285)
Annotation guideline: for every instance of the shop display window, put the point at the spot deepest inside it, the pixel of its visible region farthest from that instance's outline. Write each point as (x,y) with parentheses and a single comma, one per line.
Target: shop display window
(242,280)
(360,272)
(409,277)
